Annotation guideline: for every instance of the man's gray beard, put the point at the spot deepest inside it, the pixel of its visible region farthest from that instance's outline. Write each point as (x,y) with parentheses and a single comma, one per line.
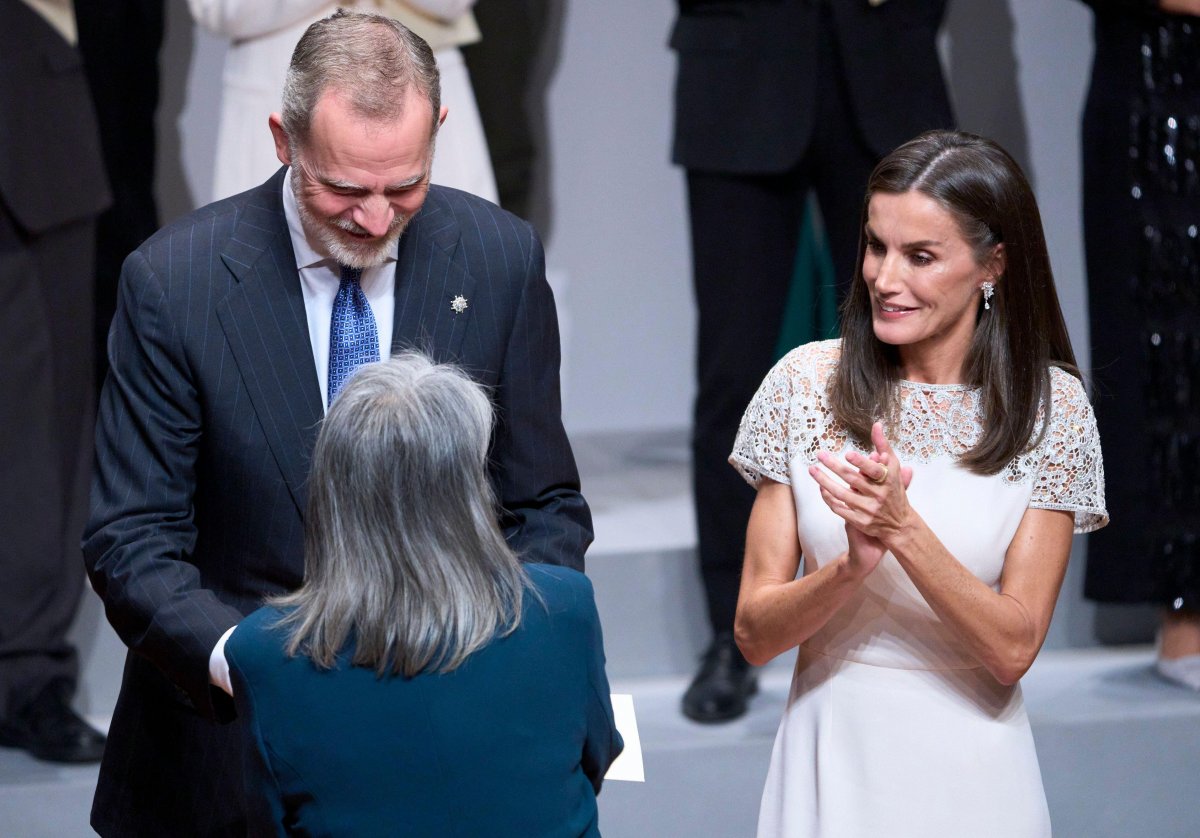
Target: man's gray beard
(361,255)
(364,254)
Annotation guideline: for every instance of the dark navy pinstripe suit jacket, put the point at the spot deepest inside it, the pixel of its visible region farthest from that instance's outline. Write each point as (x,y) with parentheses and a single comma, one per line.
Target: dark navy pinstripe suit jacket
(206,426)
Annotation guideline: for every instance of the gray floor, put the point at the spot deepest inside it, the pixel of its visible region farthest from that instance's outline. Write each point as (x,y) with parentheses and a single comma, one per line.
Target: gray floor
(1119,751)
(1119,748)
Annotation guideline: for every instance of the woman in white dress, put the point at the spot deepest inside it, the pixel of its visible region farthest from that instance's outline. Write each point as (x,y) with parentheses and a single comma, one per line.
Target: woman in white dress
(926,471)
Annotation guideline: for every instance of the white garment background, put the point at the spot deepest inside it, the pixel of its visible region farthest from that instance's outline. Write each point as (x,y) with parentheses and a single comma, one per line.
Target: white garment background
(263,34)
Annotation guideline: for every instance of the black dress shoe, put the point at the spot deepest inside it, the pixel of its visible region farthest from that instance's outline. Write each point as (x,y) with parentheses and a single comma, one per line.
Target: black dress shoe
(722,687)
(49,729)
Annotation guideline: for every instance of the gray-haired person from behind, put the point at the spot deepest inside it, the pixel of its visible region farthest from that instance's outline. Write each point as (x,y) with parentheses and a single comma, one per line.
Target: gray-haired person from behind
(401,542)
(421,675)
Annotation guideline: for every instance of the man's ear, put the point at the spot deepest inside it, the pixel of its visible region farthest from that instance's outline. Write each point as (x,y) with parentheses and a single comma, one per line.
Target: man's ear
(283,149)
(442,116)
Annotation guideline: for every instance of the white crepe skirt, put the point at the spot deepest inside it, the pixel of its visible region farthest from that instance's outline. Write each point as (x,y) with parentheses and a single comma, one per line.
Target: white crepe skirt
(866,750)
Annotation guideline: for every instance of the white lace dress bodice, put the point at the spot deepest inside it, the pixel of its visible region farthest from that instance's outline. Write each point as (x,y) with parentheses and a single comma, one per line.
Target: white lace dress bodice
(886,651)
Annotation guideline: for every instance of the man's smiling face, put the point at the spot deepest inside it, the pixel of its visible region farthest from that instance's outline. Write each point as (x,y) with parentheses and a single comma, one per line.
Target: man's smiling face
(359,181)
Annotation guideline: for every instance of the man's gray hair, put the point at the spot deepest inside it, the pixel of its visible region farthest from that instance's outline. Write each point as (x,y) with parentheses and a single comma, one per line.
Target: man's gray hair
(370,59)
(403,555)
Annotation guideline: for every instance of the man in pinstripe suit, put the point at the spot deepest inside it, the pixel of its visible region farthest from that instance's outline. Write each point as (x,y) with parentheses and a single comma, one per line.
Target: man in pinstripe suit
(218,355)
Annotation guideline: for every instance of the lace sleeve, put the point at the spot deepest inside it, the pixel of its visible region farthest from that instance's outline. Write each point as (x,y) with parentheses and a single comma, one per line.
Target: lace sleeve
(1070,467)
(762,446)
(786,414)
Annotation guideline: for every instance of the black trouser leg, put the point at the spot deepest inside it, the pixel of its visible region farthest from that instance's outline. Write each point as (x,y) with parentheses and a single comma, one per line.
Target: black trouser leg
(744,234)
(45,414)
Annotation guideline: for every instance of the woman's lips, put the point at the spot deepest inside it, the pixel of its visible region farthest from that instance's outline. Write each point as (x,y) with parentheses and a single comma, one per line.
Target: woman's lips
(893,310)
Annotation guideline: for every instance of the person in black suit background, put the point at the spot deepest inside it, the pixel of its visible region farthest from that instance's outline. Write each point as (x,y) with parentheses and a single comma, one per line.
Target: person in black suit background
(52,188)
(421,680)
(1141,208)
(220,354)
(773,99)
(119,41)
(502,64)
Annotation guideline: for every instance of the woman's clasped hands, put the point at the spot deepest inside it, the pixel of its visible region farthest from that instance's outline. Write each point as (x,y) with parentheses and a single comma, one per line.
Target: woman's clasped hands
(868,492)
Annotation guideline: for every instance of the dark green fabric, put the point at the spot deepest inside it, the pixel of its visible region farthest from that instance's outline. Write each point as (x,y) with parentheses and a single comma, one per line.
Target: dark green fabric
(811,309)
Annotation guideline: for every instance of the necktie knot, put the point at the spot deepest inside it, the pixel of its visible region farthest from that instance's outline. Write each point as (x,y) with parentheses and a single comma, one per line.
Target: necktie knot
(353,336)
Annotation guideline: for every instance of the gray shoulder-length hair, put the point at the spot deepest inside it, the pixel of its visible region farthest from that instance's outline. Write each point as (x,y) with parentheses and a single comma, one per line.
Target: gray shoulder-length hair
(371,59)
(403,555)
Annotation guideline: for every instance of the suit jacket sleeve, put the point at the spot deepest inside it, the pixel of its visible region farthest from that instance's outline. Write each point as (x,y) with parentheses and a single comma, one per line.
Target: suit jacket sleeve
(141,533)
(544,516)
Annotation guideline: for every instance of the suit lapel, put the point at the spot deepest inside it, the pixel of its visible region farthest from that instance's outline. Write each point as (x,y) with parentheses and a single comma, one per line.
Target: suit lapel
(265,323)
(434,290)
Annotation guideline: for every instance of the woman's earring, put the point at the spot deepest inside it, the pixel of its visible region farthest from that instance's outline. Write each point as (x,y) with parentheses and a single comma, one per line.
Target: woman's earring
(988,290)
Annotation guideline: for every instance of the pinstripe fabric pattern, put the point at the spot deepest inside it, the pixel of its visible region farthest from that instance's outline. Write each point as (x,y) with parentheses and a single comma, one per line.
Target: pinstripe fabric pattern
(206,426)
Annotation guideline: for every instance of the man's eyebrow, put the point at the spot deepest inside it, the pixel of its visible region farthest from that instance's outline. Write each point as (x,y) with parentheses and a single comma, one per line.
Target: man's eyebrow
(335,183)
(408,183)
(351,186)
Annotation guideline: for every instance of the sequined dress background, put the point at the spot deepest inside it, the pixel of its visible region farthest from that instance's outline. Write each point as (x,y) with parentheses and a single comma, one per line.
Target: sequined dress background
(1141,153)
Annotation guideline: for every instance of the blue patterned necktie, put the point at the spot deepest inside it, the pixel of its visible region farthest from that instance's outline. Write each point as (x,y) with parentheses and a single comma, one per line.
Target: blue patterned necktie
(353,338)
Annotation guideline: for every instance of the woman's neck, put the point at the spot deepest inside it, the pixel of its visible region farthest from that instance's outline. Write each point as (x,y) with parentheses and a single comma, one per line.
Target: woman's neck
(932,367)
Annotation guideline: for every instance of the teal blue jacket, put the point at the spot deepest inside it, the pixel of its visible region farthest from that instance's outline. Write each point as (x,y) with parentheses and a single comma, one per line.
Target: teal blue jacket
(514,742)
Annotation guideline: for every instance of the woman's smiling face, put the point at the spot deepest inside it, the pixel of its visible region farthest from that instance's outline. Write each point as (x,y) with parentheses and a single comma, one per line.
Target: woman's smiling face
(925,283)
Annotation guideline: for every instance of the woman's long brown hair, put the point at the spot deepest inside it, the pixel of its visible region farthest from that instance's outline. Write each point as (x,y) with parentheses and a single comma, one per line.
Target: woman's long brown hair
(1015,342)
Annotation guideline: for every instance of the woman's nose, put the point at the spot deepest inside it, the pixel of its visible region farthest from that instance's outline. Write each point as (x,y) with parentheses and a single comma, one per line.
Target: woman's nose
(886,273)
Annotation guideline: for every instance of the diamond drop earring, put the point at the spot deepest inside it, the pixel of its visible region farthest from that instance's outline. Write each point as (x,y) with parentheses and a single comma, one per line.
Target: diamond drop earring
(988,289)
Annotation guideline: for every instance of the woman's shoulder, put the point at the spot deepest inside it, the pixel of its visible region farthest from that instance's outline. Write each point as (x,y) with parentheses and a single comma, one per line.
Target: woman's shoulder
(560,585)
(789,416)
(1069,402)
(1066,388)
(803,373)
(814,361)
(561,588)
(1065,413)
(258,638)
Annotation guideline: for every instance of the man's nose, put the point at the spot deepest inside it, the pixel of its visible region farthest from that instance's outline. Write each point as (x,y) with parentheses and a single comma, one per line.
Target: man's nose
(374,215)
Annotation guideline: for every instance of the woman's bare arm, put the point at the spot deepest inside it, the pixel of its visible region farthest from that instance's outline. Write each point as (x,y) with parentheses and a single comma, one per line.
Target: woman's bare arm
(776,611)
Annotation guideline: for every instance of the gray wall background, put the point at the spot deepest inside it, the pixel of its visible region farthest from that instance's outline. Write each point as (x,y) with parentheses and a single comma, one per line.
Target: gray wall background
(613,213)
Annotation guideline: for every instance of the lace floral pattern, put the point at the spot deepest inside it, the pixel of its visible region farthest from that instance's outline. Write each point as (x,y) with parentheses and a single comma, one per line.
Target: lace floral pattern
(789,420)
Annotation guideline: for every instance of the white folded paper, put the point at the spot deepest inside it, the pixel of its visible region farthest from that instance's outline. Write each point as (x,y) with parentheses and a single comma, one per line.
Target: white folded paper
(628,766)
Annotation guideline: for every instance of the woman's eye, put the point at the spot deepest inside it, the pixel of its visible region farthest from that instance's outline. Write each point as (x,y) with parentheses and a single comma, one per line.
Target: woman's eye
(921,258)
(876,248)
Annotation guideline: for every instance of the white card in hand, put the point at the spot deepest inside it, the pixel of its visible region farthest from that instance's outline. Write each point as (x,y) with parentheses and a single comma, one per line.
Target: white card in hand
(628,766)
